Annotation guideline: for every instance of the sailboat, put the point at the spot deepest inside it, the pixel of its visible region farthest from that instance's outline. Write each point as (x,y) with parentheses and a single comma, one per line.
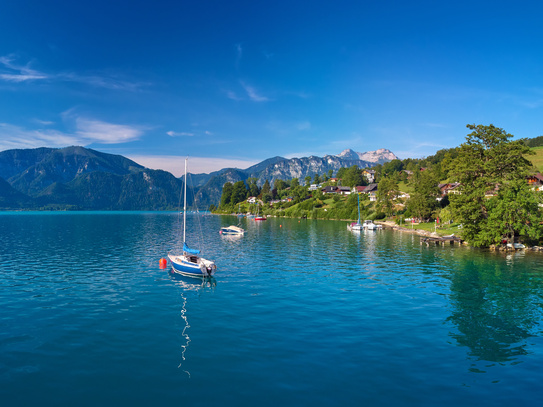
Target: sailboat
(356,225)
(189,263)
(258,216)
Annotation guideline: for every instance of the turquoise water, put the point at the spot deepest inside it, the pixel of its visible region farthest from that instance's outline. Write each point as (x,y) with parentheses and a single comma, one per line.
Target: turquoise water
(300,313)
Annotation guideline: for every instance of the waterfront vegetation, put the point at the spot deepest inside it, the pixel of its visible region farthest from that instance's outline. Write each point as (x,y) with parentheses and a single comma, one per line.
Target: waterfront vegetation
(493,202)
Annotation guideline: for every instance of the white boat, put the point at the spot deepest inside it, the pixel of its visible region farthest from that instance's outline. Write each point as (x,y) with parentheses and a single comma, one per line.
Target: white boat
(369,225)
(232,230)
(188,262)
(516,246)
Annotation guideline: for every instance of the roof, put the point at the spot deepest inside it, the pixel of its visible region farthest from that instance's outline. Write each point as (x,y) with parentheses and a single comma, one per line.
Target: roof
(370,188)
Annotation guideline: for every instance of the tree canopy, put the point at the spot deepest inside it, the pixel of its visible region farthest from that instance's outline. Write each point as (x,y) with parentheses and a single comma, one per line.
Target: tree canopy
(491,169)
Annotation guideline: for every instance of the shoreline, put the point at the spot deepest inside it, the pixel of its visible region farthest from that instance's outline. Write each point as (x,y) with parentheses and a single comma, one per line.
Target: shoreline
(393,225)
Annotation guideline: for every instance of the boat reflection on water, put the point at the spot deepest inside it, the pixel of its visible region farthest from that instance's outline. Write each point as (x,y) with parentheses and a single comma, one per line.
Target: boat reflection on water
(198,284)
(192,283)
(232,238)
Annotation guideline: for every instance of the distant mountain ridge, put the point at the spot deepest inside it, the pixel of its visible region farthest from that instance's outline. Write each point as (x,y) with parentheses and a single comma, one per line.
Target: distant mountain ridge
(82,178)
(380,156)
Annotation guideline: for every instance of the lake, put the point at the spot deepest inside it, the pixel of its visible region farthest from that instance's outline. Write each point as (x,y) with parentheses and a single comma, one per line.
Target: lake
(300,312)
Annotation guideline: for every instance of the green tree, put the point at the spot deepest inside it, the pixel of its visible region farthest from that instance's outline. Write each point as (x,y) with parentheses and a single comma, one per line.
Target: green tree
(515,211)
(266,192)
(253,187)
(341,173)
(226,196)
(391,167)
(423,201)
(279,184)
(387,190)
(307,180)
(353,177)
(316,179)
(294,183)
(486,162)
(239,193)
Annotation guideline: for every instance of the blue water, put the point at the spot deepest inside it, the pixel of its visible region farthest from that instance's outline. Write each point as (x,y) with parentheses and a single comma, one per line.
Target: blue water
(301,313)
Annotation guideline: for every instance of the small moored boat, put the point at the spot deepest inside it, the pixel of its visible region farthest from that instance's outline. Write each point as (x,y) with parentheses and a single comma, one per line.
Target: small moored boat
(369,225)
(231,230)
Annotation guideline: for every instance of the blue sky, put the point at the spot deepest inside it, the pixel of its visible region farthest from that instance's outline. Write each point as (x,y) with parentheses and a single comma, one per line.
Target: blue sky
(233,83)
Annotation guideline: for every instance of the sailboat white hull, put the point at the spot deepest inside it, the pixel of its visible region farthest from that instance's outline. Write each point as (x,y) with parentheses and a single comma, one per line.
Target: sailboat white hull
(192,265)
(189,263)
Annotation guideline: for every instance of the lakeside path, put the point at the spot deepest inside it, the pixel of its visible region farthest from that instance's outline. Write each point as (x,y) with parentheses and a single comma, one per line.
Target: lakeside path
(420,232)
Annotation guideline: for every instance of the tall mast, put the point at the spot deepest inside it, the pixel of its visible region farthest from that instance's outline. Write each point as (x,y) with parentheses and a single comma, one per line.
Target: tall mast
(358,208)
(185,202)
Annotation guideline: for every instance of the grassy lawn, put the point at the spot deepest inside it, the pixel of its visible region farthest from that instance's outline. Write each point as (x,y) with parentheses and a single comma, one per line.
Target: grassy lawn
(537,159)
(441,229)
(402,186)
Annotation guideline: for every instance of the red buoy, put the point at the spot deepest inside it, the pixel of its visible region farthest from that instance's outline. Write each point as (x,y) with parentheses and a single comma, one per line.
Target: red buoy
(163,263)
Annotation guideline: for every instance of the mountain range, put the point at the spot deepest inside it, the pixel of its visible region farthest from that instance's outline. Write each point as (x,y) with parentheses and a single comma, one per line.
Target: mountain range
(81,178)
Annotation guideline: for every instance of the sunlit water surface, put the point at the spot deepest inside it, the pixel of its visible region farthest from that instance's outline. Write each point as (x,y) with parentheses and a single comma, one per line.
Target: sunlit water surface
(301,313)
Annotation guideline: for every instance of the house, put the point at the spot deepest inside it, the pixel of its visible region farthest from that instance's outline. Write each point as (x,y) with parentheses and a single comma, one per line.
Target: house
(330,189)
(371,190)
(454,188)
(343,190)
(449,188)
(369,175)
(536,181)
(314,187)
(251,199)
(358,190)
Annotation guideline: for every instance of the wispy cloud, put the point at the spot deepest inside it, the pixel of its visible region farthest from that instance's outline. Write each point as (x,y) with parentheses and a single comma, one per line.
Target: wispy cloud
(96,131)
(87,131)
(44,122)
(197,165)
(232,95)
(11,71)
(253,94)
(19,73)
(12,136)
(179,134)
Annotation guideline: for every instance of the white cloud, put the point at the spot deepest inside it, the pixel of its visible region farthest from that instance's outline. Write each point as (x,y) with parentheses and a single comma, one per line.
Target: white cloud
(21,73)
(179,134)
(21,77)
(44,122)
(87,132)
(232,95)
(196,165)
(253,94)
(17,137)
(108,133)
